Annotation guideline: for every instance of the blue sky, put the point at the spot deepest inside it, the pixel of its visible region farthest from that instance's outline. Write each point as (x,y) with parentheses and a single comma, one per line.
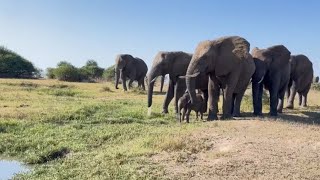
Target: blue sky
(46,32)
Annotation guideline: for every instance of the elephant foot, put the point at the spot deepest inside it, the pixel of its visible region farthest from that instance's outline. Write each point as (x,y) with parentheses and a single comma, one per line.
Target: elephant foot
(236,115)
(257,114)
(274,114)
(225,117)
(165,111)
(212,117)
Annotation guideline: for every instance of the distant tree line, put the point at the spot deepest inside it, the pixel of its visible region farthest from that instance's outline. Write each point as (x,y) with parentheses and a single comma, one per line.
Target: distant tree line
(90,72)
(12,65)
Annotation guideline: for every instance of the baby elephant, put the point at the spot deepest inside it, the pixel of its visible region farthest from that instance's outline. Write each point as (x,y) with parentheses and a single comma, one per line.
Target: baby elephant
(185,105)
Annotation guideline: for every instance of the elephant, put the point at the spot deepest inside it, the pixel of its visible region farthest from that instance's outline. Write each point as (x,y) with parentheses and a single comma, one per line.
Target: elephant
(301,77)
(162,83)
(175,64)
(230,67)
(316,79)
(272,71)
(132,68)
(185,105)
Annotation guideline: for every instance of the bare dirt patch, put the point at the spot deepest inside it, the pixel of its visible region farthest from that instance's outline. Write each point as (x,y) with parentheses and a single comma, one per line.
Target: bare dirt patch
(247,150)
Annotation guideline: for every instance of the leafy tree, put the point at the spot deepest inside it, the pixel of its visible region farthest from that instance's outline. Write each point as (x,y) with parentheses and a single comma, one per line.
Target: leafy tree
(13,65)
(50,73)
(67,72)
(109,73)
(91,70)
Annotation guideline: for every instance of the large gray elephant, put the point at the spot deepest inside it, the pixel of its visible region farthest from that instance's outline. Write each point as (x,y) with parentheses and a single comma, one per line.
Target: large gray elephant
(175,64)
(129,67)
(228,62)
(272,71)
(301,77)
(316,79)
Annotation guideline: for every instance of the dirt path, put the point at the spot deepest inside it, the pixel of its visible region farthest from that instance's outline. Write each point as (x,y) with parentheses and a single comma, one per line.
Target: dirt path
(247,149)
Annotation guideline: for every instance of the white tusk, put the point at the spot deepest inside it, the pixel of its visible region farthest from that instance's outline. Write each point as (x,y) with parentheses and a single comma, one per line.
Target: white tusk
(153,80)
(193,75)
(261,80)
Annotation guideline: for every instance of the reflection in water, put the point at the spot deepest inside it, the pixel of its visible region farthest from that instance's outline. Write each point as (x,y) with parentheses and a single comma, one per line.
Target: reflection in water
(9,168)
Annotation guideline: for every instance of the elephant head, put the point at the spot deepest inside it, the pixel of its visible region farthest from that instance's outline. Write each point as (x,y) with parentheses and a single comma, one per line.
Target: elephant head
(218,58)
(172,63)
(120,63)
(269,60)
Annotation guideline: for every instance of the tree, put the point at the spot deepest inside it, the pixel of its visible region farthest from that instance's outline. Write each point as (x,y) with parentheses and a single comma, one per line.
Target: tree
(13,65)
(50,73)
(108,73)
(67,72)
(91,70)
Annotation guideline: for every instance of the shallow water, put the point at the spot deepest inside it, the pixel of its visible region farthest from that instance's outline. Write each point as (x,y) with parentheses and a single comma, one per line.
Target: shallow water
(9,168)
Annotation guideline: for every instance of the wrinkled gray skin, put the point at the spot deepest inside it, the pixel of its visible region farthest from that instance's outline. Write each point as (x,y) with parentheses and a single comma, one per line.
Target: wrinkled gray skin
(133,69)
(175,64)
(185,107)
(301,77)
(272,71)
(225,60)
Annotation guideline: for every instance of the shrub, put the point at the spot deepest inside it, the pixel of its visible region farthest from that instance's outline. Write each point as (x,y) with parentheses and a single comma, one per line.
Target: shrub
(109,73)
(67,72)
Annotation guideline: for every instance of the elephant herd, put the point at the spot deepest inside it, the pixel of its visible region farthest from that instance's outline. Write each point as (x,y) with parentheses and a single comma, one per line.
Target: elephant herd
(223,65)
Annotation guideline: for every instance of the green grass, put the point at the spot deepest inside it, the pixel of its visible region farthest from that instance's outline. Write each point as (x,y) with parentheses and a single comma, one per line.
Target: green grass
(92,131)
(72,131)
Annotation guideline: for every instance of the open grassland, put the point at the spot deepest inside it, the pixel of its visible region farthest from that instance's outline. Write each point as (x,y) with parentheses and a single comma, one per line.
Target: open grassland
(92,131)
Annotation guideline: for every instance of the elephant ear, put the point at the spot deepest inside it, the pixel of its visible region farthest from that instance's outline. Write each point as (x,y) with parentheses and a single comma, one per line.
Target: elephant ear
(279,55)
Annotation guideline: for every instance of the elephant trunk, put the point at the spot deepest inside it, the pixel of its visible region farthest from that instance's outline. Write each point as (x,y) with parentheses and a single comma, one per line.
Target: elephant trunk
(151,80)
(117,74)
(162,82)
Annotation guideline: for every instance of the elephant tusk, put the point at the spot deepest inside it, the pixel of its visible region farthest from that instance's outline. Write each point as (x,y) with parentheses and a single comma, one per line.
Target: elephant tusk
(261,80)
(182,77)
(191,76)
(153,80)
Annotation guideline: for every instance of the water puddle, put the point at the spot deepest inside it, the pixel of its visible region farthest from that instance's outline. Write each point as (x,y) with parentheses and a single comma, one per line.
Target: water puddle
(9,168)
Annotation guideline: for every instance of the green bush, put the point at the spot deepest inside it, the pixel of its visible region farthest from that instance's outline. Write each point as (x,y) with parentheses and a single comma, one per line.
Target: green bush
(13,65)
(109,73)
(67,72)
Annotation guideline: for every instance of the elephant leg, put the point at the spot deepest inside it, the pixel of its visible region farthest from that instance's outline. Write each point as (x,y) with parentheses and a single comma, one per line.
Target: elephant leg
(197,115)
(205,97)
(228,93)
(124,81)
(213,98)
(188,115)
(142,83)
(169,97)
(304,96)
(257,92)
(292,94)
(237,104)
(130,83)
(201,115)
(281,99)
(181,115)
(300,99)
(274,95)
(179,89)
(233,101)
